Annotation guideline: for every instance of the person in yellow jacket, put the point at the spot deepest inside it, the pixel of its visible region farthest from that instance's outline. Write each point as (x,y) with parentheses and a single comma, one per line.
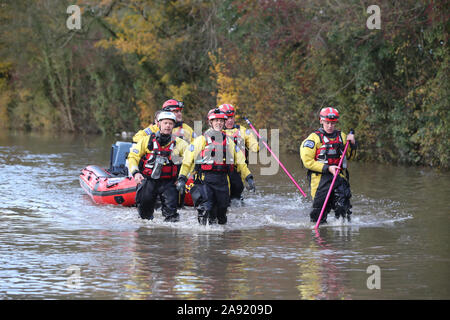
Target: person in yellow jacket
(153,162)
(181,129)
(213,156)
(153,128)
(246,142)
(320,153)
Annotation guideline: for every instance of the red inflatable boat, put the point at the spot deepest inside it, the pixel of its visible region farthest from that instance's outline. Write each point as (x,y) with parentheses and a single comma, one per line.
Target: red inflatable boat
(105,188)
(114,186)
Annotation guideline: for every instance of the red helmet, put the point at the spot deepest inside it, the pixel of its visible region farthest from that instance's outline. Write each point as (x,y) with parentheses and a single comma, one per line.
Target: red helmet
(228,109)
(216,114)
(172,105)
(329,114)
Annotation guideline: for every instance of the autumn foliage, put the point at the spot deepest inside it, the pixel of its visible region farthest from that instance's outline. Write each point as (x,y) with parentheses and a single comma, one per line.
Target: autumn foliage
(279,62)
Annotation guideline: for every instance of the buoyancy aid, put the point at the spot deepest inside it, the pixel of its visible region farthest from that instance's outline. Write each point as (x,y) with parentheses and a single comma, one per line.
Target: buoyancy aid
(331,149)
(178,130)
(238,139)
(169,170)
(214,155)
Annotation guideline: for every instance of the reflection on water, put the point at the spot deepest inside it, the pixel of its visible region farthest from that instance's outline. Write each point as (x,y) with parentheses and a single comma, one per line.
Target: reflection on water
(56,243)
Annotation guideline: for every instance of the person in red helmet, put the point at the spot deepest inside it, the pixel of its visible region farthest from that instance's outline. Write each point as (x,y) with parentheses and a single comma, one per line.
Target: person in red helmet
(212,156)
(181,129)
(244,140)
(153,163)
(320,153)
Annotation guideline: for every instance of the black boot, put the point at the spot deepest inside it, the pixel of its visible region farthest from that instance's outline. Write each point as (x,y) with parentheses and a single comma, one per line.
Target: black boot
(314,215)
(349,212)
(212,220)
(212,216)
(145,214)
(340,212)
(202,216)
(170,215)
(222,215)
(172,218)
(343,210)
(322,221)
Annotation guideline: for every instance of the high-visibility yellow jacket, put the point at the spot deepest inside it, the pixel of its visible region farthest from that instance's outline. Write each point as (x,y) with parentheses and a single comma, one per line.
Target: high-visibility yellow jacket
(153,128)
(199,144)
(183,131)
(139,149)
(243,137)
(308,150)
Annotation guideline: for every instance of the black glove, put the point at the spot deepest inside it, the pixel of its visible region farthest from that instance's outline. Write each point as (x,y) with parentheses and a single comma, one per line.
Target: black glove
(181,183)
(250,183)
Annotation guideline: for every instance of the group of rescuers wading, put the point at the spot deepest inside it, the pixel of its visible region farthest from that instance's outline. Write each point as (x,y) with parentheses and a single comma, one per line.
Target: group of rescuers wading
(168,151)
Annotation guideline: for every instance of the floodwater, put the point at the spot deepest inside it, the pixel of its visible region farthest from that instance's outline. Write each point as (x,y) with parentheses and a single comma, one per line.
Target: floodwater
(55,243)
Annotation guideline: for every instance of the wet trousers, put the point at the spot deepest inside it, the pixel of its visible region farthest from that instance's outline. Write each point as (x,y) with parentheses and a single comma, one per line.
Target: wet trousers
(146,196)
(212,198)
(181,195)
(339,199)
(236,185)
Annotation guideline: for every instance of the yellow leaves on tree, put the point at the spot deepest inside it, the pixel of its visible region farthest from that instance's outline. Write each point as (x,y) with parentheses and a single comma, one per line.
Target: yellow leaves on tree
(135,35)
(227,86)
(5,98)
(140,28)
(146,109)
(251,94)
(5,94)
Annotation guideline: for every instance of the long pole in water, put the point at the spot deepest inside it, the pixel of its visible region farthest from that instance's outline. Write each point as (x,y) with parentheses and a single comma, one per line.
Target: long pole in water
(332,183)
(276,158)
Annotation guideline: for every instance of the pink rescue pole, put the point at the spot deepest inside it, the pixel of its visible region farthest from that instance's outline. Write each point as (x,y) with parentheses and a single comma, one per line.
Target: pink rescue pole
(332,184)
(273,154)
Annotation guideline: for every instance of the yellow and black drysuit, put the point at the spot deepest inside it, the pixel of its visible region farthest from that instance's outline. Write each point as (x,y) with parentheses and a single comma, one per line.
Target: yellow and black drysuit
(246,141)
(318,151)
(157,157)
(181,130)
(212,156)
(153,128)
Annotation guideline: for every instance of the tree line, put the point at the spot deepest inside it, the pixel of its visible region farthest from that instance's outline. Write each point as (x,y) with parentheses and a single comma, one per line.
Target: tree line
(279,62)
